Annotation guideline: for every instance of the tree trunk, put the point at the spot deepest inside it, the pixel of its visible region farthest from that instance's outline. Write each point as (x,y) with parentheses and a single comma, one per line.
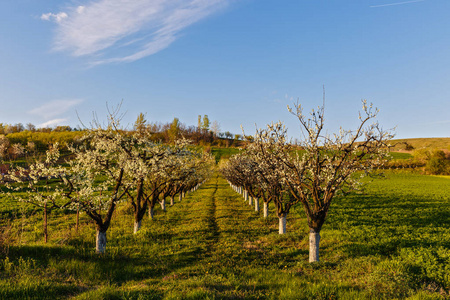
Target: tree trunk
(78,218)
(250,200)
(180,197)
(256,204)
(245,195)
(163,204)
(45,223)
(172,200)
(137,226)
(282,224)
(100,242)
(150,213)
(314,239)
(266,209)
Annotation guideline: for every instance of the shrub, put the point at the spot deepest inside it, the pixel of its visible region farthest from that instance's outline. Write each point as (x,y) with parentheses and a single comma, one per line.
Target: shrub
(437,163)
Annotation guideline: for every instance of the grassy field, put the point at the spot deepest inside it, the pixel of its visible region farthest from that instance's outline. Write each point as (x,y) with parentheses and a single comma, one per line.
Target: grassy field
(400,155)
(391,242)
(423,143)
(220,152)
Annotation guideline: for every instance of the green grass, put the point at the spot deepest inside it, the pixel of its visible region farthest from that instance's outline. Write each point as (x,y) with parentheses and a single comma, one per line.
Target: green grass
(400,155)
(220,152)
(391,242)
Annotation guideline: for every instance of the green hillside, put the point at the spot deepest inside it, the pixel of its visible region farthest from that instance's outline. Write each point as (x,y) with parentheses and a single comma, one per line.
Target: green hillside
(419,143)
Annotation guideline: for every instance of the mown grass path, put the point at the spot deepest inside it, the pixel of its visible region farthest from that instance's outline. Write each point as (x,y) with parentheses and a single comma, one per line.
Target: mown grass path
(390,243)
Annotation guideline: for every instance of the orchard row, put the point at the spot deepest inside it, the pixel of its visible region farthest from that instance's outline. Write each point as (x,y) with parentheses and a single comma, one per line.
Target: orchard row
(312,174)
(109,166)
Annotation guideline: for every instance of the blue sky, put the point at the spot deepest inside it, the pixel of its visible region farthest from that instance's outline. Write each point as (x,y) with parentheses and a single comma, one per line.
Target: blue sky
(238,61)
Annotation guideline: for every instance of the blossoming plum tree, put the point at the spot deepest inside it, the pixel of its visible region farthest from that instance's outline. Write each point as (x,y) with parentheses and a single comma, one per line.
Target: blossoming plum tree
(327,164)
(95,180)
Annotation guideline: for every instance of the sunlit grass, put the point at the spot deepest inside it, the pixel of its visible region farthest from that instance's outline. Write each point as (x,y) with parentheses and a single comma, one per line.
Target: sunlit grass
(391,242)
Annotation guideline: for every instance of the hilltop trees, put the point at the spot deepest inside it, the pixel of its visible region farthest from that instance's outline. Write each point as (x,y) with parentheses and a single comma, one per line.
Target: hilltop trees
(174,130)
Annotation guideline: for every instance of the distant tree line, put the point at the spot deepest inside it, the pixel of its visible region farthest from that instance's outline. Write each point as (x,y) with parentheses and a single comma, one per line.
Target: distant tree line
(20,141)
(19,127)
(205,133)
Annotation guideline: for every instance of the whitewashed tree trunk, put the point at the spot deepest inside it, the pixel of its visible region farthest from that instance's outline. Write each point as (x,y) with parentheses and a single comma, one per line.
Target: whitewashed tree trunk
(184,194)
(180,197)
(245,195)
(137,226)
(150,213)
(282,224)
(163,204)
(314,239)
(100,242)
(172,200)
(266,209)
(256,204)
(250,200)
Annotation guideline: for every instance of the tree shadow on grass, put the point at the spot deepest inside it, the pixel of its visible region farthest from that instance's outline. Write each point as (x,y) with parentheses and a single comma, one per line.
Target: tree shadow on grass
(381,210)
(243,291)
(37,291)
(381,225)
(91,269)
(41,254)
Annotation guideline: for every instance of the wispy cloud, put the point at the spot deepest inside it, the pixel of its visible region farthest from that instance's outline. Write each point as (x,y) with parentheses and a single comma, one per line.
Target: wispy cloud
(284,99)
(396,3)
(56,108)
(53,122)
(124,30)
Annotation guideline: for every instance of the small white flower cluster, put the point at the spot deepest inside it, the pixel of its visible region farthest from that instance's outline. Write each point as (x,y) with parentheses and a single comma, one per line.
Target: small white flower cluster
(35,184)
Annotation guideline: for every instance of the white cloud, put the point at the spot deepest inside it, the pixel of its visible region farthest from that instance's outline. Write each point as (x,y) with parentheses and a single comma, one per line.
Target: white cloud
(80,9)
(125,30)
(53,122)
(54,108)
(54,17)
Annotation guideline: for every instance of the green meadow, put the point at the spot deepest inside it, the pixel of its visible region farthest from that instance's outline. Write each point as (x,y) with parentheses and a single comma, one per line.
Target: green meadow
(391,241)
